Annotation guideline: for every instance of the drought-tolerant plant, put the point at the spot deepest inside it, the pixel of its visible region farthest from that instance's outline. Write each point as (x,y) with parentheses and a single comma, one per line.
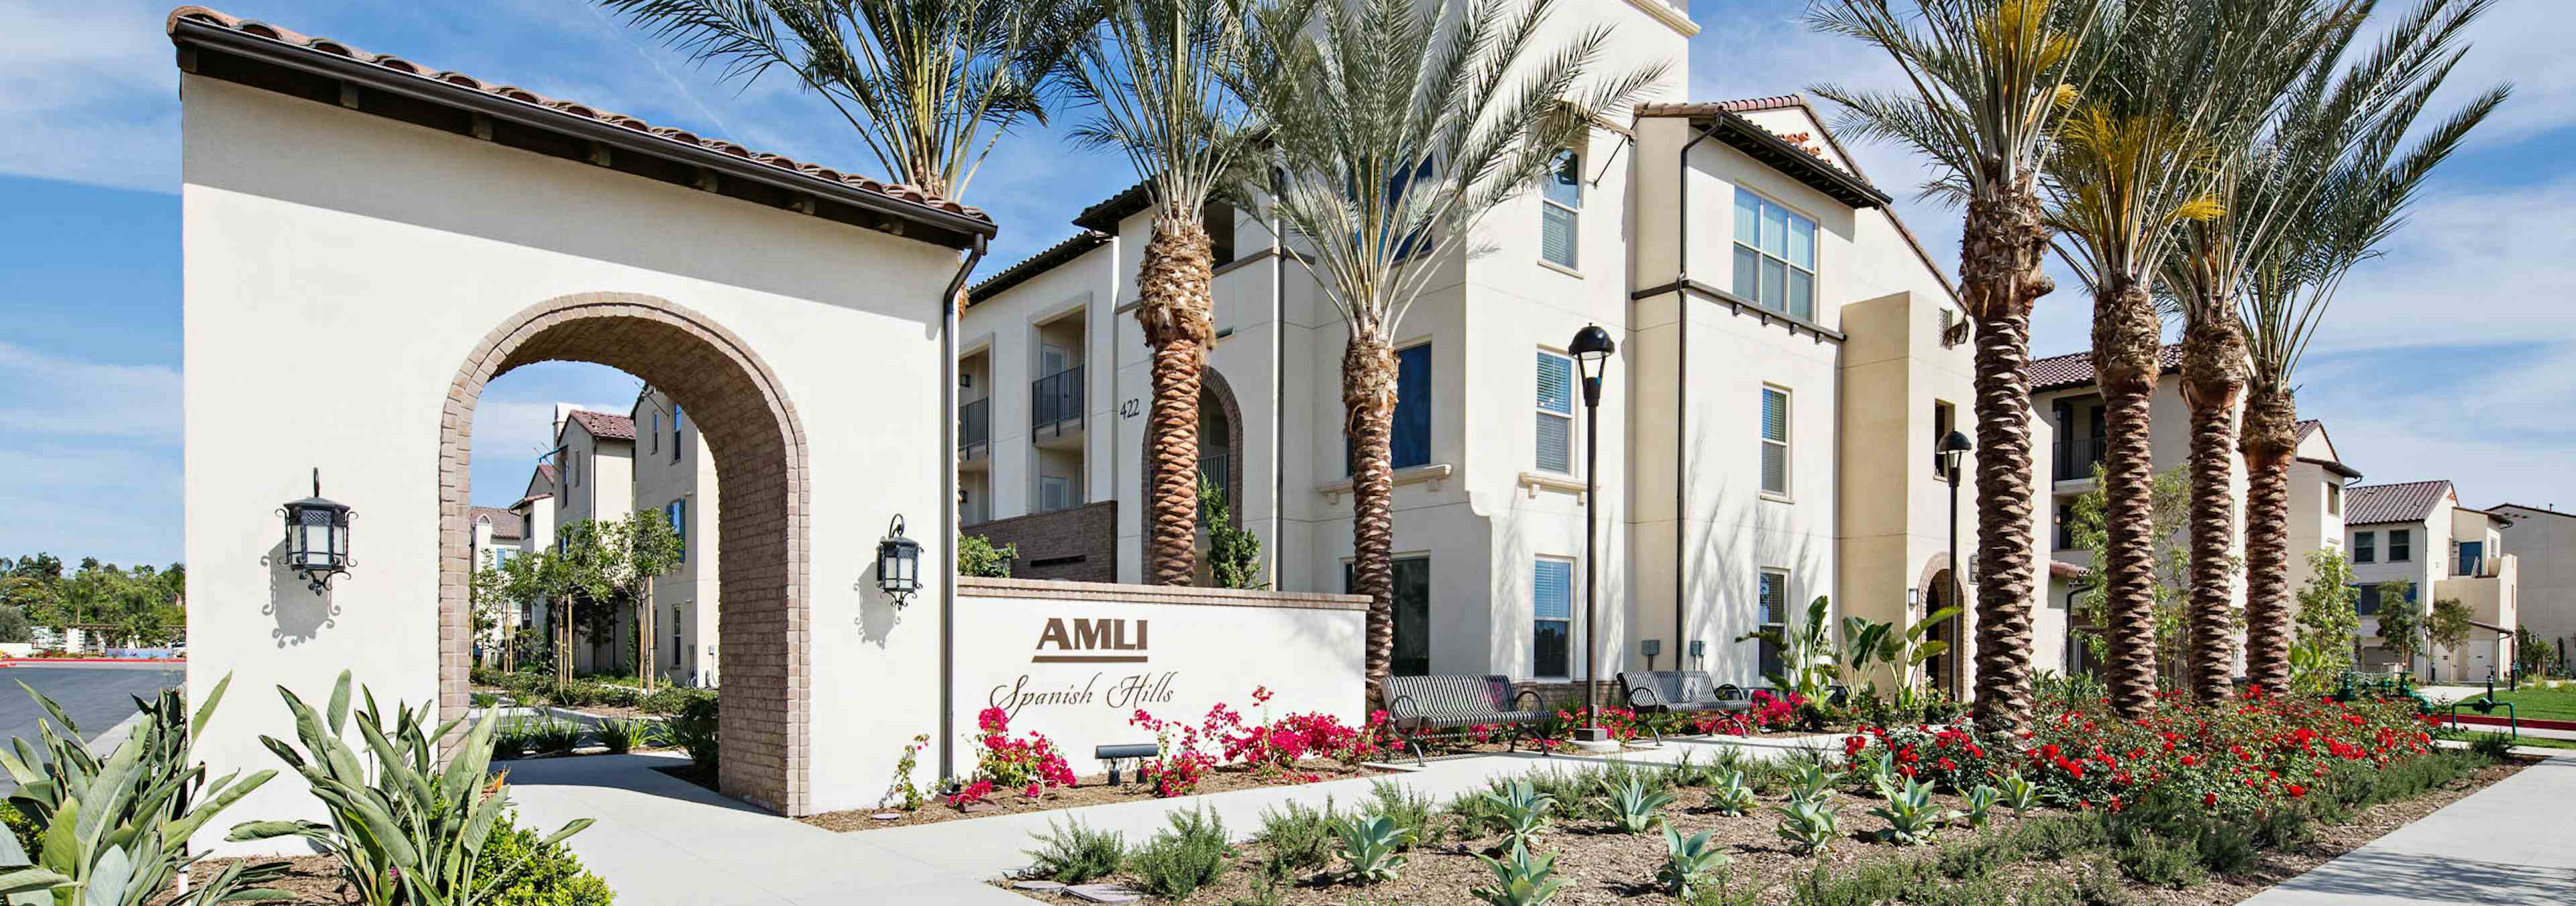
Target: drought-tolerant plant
(629,734)
(409,831)
(1881,771)
(1521,879)
(1808,823)
(693,730)
(1810,780)
(1073,853)
(554,737)
(2018,792)
(1188,856)
(1730,795)
(1522,809)
(1911,817)
(1633,806)
(1297,838)
(1687,861)
(1981,805)
(1410,811)
(550,875)
(1685,773)
(1371,847)
(511,740)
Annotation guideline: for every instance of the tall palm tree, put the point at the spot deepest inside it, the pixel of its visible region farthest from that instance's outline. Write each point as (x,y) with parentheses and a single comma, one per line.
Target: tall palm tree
(2267,192)
(927,85)
(1989,78)
(2362,198)
(1157,81)
(1391,132)
(2185,81)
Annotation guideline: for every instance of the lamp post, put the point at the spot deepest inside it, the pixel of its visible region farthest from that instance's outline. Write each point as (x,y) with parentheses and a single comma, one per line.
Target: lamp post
(1954,448)
(1591,348)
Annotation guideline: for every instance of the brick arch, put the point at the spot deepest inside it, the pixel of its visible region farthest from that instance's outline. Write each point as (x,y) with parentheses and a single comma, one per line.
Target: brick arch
(761,461)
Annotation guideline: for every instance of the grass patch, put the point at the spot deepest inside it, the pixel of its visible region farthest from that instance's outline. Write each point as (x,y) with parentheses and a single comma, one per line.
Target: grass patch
(2534,701)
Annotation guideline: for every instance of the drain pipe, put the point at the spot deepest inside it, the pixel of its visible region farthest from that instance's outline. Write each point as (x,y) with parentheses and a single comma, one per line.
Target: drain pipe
(948,509)
(1681,396)
(1278,389)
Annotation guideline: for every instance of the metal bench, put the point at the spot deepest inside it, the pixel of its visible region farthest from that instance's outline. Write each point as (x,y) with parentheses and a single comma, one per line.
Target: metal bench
(1421,705)
(1684,692)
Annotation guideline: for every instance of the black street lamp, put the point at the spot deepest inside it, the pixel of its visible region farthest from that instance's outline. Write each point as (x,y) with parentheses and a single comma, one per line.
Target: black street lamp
(1591,348)
(1954,448)
(317,537)
(898,564)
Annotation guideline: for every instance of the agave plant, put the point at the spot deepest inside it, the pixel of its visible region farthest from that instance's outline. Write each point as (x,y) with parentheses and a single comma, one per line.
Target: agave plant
(2018,792)
(1809,823)
(1981,805)
(1882,773)
(407,831)
(1371,844)
(116,831)
(1730,795)
(1809,780)
(1687,861)
(1521,879)
(1633,806)
(1523,810)
(1911,818)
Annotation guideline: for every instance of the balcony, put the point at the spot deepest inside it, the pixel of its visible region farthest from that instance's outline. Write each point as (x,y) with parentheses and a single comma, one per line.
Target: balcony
(2076,457)
(1055,405)
(975,430)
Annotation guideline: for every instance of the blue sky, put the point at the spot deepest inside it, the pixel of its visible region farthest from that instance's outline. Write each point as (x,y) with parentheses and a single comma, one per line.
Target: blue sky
(2453,356)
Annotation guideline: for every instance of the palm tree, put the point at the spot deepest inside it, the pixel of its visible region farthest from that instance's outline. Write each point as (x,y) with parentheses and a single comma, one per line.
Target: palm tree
(1391,132)
(2185,81)
(1989,78)
(2360,200)
(2267,193)
(1158,84)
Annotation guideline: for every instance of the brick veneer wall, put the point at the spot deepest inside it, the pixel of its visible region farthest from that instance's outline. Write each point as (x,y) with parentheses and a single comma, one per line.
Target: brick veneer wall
(1089,531)
(764,543)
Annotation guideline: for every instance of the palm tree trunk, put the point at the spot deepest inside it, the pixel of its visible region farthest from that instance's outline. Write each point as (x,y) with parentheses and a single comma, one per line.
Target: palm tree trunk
(1368,395)
(1172,289)
(2001,275)
(2126,332)
(2213,383)
(2270,440)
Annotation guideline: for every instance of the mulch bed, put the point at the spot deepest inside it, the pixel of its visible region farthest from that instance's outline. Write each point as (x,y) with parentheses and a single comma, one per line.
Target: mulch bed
(1093,790)
(1604,866)
(312,879)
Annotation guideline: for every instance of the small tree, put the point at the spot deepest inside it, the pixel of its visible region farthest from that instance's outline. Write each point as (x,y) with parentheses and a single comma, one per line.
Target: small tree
(2171,515)
(2326,621)
(976,556)
(651,548)
(1234,555)
(2401,622)
(489,599)
(2449,626)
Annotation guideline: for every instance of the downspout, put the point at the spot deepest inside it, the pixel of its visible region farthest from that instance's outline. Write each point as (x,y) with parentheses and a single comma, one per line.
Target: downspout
(948,509)
(1681,395)
(1278,391)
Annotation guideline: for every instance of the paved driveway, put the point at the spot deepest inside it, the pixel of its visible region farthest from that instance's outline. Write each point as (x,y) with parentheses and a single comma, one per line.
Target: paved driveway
(97,696)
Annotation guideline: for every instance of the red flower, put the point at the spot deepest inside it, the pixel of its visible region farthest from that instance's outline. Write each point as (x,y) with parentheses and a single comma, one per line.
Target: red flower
(2297,791)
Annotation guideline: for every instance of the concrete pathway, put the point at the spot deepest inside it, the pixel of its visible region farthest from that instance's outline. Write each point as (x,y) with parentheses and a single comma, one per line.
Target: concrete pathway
(663,840)
(2506,844)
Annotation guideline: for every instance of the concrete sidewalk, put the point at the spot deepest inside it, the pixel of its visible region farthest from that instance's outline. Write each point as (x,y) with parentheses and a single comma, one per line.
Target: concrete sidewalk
(2508,843)
(663,840)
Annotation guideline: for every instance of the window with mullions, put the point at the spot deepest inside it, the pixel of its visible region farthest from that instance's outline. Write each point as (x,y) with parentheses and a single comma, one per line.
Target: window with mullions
(677,512)
(1560,209)
(1552,628)
(1775,441)
(1773,596)
(1555,413)
(1775,256)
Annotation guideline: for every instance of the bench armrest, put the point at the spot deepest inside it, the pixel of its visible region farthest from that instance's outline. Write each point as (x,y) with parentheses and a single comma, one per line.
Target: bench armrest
(1653,698)
(1403,707)
(1533,696)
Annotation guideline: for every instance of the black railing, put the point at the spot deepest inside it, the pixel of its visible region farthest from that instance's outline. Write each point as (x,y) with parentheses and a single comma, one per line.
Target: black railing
(1056,399)
(2077,456)
(975,425)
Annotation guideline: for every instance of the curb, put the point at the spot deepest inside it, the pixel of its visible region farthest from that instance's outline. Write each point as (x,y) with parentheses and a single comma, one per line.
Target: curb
(17,661)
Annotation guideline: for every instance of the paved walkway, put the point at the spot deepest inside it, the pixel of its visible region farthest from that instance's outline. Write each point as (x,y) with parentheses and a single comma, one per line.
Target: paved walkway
(2508,843)
(664,840)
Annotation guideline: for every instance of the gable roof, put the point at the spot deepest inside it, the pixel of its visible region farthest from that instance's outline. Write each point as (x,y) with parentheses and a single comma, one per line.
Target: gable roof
(605,426)
(1725,122)
(2534,510)
(261,55)
(1058,254)
(2411,501)
(2075,369)
(506,525)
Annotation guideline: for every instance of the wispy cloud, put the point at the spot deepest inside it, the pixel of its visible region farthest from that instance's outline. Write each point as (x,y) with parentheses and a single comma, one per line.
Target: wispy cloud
(62,397)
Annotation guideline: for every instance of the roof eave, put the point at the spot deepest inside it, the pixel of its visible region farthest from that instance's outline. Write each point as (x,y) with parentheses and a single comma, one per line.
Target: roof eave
(1760,144)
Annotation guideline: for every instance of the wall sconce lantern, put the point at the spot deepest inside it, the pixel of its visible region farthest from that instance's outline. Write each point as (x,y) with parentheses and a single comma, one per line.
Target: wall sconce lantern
(317,537)
(898,564)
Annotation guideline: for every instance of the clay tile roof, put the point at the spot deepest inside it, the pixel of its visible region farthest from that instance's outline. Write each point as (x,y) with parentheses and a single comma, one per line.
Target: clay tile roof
(462,81)
(505,524)
(605,426)
(2064,570)
(2411,501)
(2075,369)
(548,469)
(1071,248)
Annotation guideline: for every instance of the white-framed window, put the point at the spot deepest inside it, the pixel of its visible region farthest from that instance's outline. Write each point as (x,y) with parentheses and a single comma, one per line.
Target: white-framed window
(2401,545)
(1555,413)
(1560,209)
(2365,547)
(677,511)
(2334,499)
(1771,595)
(1775,441)
(1775,256)
(677,650)
(1552,623)
(1055,492)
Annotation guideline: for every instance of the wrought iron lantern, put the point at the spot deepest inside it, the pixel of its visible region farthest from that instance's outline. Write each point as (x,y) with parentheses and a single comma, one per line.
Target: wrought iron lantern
(317,537)
(898,564)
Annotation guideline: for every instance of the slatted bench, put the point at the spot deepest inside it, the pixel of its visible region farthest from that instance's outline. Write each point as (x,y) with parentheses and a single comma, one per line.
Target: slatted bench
(1451,705)
(1683,692)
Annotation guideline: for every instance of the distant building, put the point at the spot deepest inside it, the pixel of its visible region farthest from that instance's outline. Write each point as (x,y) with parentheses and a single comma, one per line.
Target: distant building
(2544,540)
(2418,533)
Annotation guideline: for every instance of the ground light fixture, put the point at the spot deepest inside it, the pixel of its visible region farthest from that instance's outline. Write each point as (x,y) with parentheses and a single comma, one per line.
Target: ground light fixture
(898,563)
(1591,348)
(317,537)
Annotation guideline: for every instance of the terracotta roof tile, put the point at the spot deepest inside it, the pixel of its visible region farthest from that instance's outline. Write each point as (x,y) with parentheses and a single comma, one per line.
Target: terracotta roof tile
(2410,501)
(257,28)
(605,426)
(2075,369)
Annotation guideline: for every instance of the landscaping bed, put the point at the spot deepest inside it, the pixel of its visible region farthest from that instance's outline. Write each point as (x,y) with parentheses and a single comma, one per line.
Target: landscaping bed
(1093,790)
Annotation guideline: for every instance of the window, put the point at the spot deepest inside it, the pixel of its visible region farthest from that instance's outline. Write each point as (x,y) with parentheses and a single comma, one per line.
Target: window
(2401,545)
(1552,593)
(1410,443)
(2365,547)
(1772,595)
(2368,601)
(656,435)
(1055,492)
(1775,256)
(1560,208)
(677,512)
(2065,527)
(1555,413)
(2334,499)
(1775,441)
(1412,614)
(676,649)
(675,434)
(1945,418)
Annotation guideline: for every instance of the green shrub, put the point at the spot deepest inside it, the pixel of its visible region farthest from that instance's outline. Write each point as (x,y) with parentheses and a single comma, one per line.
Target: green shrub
(693,730)
(484,699)
(1299,838)
(546,874)
(548,736)
(1473,814)
(2155,859)
(1370,848)
(1730,795)
(1073,854)
(1565,791)
(670,699)
(1808,823)
(1911,817)
(976,556)
(31,838)
(1410,811)
(628,735)
(1179,861)
(1685,774)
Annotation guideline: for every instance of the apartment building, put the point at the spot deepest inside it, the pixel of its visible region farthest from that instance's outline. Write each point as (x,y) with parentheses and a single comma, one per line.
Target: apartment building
(499,533)
(2064,391)
(1788,359)
(595,454)
(675,477)
(2418,533)
(2543,542)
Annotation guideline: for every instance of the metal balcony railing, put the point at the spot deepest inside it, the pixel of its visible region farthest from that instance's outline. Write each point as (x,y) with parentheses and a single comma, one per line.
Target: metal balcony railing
(975,425)
(2076,457)
(1055,400)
